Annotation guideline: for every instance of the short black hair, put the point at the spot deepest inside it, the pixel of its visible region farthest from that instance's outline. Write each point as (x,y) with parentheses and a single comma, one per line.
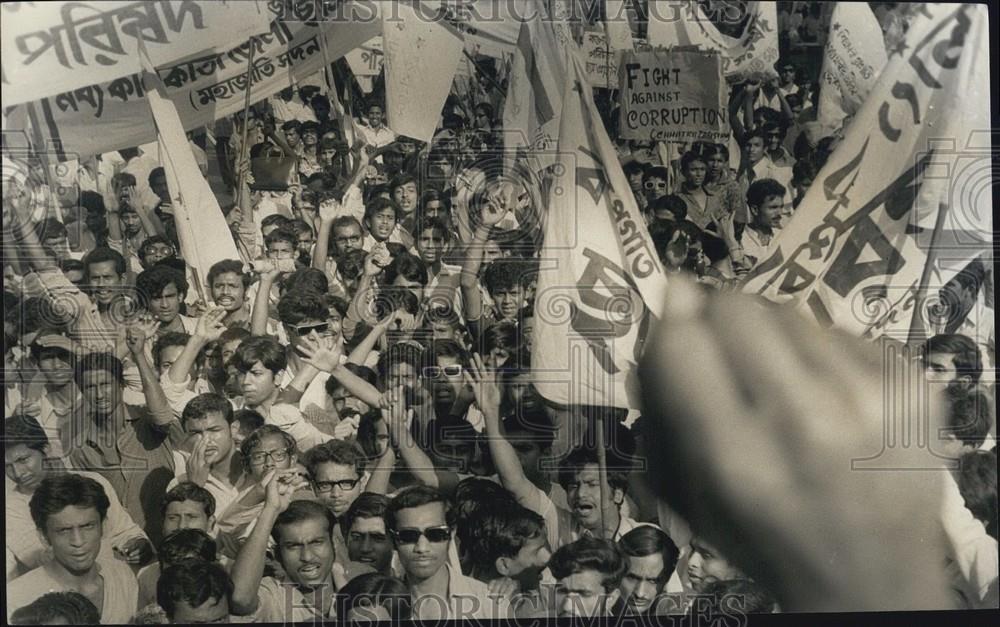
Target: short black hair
(303,510)
(57,492)
(98,361)
(340,452)
(194,582)
(262,348)
(183,544)
(977,483)
(187,491)
(22,429)
(367,505)
(203,404)
(967,356)
(226,266)
(297,306)
(649,540)
(165,341)
(762,189)
(417,496)
(602,556)
(968,415)
(253,440)
(72,607)
(100,255)
(151,283)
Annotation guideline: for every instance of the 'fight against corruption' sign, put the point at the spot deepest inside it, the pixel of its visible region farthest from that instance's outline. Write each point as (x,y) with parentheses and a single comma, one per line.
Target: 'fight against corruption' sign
(673,95)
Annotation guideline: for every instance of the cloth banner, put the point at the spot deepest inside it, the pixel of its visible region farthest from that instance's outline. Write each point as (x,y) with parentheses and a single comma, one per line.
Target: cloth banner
(367,60)
(488,27)
(752,54)
(204,236)
(596,291)
(853,58)
(616,24)
(531,109)
(671,95)
(421,56)
(602,61)
(853,253)
(54,47)
(204,88)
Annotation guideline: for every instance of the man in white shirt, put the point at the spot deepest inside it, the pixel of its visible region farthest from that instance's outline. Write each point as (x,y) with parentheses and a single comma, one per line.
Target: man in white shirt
(375,133)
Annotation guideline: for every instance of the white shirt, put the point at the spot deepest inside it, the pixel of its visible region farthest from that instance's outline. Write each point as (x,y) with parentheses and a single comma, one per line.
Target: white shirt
(382,136)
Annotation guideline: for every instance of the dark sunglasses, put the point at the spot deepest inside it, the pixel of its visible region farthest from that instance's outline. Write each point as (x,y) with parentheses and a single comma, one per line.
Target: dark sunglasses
(320,328)
(434,535)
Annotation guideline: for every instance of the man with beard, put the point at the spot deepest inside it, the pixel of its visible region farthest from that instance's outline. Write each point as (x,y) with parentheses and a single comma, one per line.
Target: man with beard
(69,512)
(302,534)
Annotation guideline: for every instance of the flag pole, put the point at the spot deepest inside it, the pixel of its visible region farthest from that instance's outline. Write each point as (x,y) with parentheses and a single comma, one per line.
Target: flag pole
(602,463)
(244,151)
(916,333)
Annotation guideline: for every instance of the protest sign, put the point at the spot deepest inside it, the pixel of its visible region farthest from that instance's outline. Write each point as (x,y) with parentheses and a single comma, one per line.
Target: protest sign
(600,59)
(75,44)
(852,60)
(367,60)
(673,95)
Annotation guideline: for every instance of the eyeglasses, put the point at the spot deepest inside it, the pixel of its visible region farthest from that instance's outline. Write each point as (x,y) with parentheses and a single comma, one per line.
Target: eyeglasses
(306,329)
(434,535)
(345,485)
(655,185)
(262,456)
(434,372)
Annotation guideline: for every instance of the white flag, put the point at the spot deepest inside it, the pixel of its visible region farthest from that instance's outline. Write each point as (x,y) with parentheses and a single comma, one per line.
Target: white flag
(853,58)
(749,51)
(204,236)
(854,253)
(598,267)
(421,57)
(617,26)
(531,109)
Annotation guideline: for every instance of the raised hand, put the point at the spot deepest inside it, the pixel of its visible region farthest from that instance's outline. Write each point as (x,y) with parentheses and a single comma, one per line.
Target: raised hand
(267,268)
(483,380)
(197,466)
(210,326)
(323,354)
(280,487)
(139,331)
(329,209)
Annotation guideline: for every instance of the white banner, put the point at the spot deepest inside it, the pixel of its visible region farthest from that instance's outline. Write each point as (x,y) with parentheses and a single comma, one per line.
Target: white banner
(598,266)
(367,60)
(421,57)
(53,47)
(203,89)
(853,58)
(852,255)
(204,236)
(750,52)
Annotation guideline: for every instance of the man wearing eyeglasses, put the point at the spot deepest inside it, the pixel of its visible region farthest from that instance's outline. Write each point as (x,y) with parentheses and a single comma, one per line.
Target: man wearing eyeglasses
(420,524)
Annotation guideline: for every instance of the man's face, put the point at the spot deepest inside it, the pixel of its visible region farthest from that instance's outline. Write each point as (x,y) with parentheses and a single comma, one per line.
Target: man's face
(406,196)
(696,173)
(347,238)
(306,241)
(447,382)
(788,75)
(305,550)
(530,561)
(327,156)
(774,140)
(167,358)
(100,391)
(401,282)
(186,515)
(159,187)
(655,187)
(509,301)
(768,215)
(309,138)
(228,350)
(271,453)
(313,329)
(375,116)
(337,485)
(215,432)
(422,559)
(228,291)
(104,281)
(131,224)
(382,223)
(401,374)
(165,306)
(755,149)
(716,164)
(158,252)
(635,181)
(59,244)
(257,384)
(74,534)
(530,453)
(368,542)
(940,369)
(55,368)
(584,497)
(431,245)
(706,565)
(211,611)
(581,595)
(24,466)
(643,581)
(280,249)
(433,209)
(491,252)
(292,137)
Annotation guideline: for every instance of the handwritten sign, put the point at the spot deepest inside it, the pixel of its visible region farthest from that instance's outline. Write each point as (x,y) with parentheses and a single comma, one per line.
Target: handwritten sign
(673,95)
(600,59)
(75,44)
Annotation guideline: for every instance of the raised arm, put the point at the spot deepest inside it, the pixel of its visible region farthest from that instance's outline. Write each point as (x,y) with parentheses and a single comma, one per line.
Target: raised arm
(415,459)
(156,402)
(269,274)
(208,329)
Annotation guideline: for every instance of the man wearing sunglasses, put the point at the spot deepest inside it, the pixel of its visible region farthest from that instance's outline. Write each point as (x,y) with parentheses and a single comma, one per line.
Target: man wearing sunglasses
(304,314)
(420,524)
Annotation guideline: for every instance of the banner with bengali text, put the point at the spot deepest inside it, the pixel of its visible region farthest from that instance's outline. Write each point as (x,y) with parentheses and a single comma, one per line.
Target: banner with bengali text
(203,89)
(53,47)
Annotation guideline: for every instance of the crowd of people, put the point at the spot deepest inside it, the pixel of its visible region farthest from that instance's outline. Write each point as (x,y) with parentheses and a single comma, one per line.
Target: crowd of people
(341,423)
